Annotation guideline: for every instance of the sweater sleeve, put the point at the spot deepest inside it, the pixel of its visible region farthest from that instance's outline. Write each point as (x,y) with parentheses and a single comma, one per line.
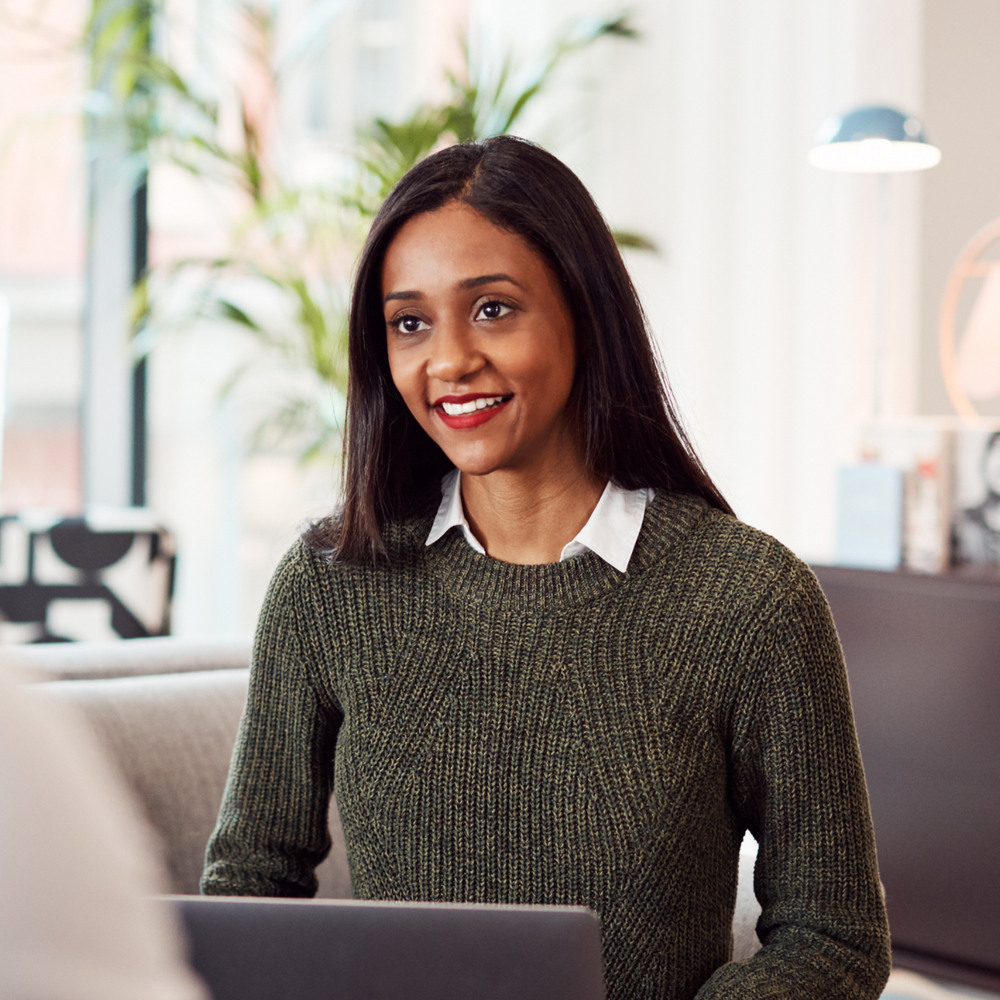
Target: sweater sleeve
(272,829)
(799,785)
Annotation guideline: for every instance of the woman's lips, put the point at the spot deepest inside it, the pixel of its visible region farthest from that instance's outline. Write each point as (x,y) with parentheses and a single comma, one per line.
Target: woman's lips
(476,418)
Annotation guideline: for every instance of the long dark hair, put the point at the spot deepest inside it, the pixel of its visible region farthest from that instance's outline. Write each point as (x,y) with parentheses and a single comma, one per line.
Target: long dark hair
(626,418)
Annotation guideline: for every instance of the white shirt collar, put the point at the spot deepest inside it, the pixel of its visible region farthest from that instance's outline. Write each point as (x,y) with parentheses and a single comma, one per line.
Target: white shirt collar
(610,532)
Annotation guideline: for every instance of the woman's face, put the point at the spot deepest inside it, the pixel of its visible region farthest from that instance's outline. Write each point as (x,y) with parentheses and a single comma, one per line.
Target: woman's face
(481,342)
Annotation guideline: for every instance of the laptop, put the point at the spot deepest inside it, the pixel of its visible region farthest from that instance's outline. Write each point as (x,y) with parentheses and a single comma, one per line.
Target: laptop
(272,949)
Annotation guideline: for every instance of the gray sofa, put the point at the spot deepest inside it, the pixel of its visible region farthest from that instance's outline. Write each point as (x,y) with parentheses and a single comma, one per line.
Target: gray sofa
(166,711)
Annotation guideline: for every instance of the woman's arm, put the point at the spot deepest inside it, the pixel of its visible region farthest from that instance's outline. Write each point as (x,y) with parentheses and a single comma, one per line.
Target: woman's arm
(798,782)
(272,830)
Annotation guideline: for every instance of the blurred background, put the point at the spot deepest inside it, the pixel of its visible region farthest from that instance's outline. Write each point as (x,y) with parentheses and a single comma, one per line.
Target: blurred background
(184,185)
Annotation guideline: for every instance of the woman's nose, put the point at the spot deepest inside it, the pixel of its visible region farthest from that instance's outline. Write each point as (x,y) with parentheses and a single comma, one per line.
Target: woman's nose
(454,354)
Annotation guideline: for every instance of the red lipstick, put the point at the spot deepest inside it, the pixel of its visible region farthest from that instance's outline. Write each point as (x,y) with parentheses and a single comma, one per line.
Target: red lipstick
(474,418)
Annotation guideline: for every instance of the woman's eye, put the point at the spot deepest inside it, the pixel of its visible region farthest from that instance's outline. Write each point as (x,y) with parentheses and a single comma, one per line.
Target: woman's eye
(409,324)
(492,310)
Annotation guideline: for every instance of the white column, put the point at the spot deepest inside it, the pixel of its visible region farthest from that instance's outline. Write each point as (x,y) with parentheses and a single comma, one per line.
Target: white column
(107,399)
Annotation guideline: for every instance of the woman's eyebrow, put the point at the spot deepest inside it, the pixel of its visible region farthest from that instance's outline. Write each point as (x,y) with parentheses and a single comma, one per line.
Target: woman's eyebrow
(488,279)
(402,295)
(483,279)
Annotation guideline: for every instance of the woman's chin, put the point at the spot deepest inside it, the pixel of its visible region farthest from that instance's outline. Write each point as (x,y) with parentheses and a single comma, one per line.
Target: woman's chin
(474,467)
(479,461)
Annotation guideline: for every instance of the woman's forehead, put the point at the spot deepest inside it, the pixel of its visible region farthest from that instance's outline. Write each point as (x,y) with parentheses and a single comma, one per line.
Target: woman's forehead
(452,245)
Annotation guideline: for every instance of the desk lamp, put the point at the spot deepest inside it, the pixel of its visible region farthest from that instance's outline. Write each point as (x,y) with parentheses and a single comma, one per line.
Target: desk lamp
(873,141)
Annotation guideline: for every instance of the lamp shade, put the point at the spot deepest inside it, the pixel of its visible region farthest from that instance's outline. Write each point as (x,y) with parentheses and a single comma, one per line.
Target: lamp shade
(873,140)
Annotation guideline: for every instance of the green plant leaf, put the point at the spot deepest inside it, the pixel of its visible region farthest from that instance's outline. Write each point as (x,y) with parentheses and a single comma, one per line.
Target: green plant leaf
(634,241)
(235,314)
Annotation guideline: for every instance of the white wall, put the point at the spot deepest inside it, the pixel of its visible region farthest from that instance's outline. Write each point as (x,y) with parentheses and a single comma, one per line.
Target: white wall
(763,299)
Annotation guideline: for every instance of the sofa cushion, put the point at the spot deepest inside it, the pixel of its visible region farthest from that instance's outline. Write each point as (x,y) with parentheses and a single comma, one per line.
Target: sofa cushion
(171,737)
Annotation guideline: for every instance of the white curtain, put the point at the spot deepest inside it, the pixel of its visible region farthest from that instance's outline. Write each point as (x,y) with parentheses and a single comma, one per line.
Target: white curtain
(763,298)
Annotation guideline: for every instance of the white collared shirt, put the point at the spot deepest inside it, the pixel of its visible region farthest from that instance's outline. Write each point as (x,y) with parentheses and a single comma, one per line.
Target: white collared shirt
(610,532)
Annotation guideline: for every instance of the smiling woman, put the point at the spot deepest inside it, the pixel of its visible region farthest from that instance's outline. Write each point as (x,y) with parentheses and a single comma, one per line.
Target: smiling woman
(534,652)
(505,227)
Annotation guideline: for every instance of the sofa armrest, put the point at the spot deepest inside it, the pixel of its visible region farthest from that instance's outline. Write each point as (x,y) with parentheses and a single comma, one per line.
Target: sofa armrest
(129,658)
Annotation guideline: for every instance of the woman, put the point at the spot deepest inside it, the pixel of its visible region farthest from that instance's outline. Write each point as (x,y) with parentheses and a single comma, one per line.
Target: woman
(535,653)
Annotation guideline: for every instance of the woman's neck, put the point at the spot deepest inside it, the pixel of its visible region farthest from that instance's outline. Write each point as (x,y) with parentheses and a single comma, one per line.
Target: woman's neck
(528,517)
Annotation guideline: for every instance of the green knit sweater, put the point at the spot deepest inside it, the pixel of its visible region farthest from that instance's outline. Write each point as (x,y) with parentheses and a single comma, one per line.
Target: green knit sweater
(569,734)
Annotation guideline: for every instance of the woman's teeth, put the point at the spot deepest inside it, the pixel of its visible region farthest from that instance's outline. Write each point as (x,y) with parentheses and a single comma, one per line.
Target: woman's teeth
(454,409)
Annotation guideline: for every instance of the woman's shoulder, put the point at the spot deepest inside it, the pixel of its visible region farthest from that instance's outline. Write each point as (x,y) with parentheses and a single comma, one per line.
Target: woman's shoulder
(314,555)
(729,555)
(314,594)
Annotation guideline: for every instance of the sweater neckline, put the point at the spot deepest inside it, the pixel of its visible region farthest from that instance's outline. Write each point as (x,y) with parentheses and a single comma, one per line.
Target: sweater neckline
(480,579)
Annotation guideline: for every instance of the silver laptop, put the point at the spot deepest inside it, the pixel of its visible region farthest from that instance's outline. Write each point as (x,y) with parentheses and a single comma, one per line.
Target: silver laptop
(272,949)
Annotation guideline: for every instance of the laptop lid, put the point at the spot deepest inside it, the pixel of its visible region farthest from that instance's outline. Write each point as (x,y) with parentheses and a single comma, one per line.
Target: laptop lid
(270,949)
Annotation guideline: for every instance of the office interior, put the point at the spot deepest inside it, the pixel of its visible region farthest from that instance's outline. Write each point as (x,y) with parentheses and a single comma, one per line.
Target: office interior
(783,298)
